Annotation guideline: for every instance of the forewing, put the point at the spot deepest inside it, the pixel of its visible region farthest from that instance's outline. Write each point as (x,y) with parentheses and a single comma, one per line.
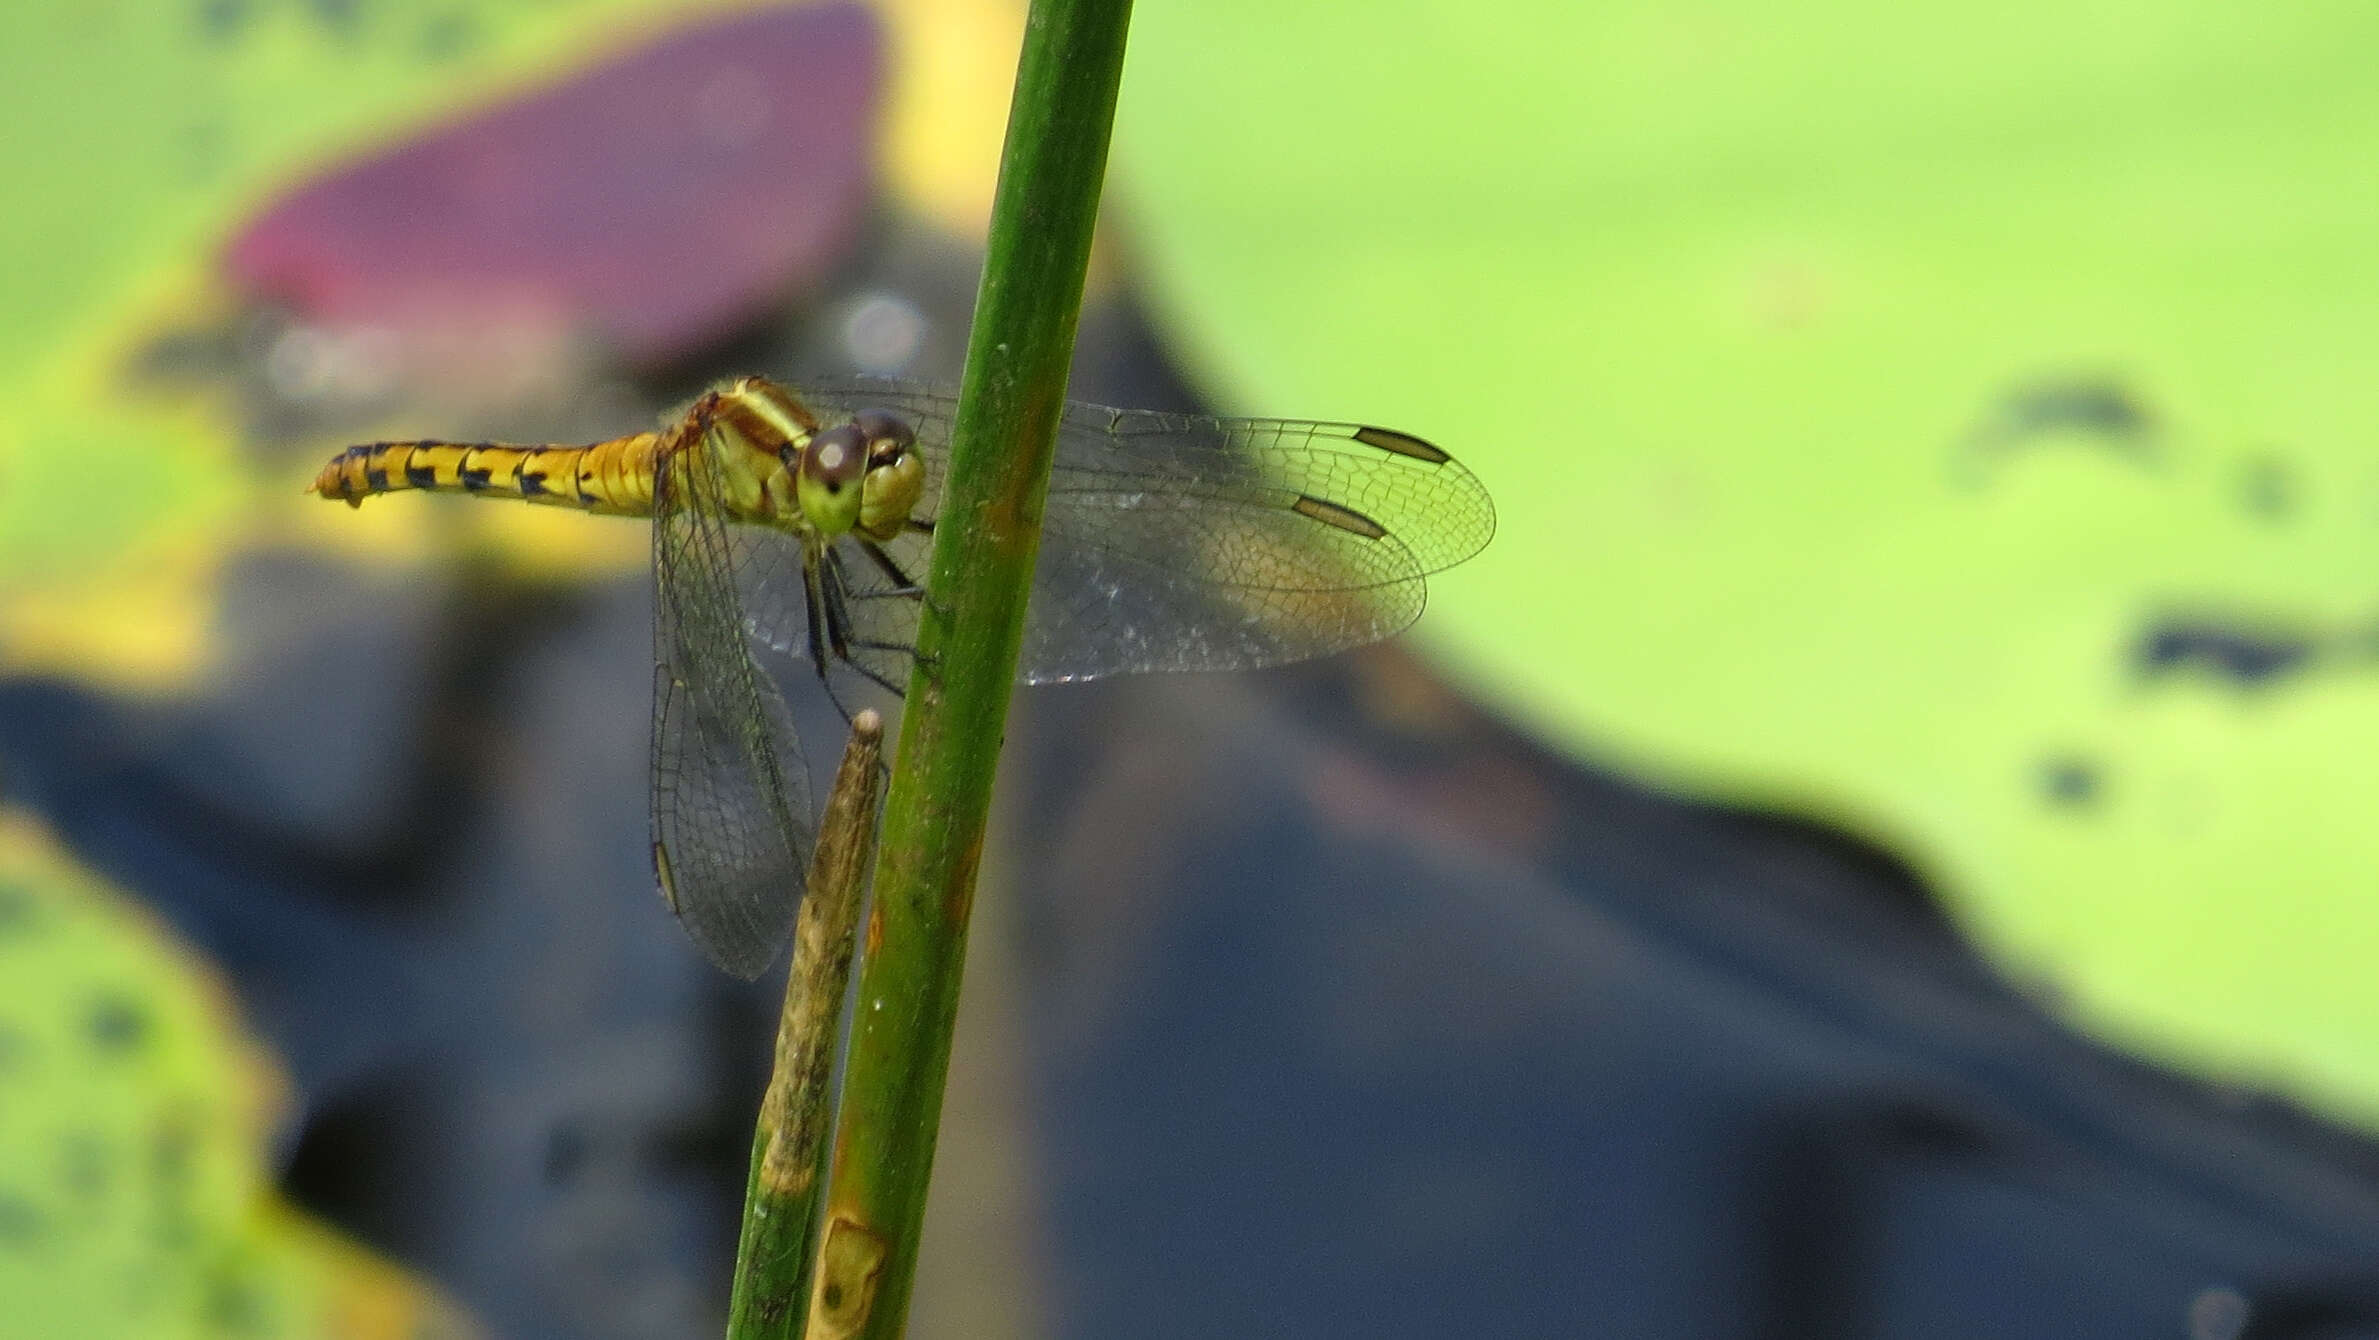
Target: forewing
(731,804)
(1183,542)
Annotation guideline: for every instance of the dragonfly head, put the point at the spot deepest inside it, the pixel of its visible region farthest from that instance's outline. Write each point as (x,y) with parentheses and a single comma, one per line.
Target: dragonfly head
(864,475)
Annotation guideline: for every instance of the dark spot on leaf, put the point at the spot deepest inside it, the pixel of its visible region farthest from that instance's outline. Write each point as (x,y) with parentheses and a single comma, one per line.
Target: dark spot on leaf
(13,1048)
(116,1024)
(2089,405)
(2267,488)
(2247,656)
(21,1221)
(2069,781)
(221,20)
(2100,410)
(343,17)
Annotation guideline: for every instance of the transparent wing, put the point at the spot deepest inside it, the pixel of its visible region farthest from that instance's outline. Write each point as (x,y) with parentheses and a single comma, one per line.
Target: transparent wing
(1182,542)
(731,803)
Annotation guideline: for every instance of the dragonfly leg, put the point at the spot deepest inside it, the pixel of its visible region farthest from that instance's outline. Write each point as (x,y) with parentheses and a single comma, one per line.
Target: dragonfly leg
(903,587)
(829,583)
(825,634)
(813,613)
(903,584)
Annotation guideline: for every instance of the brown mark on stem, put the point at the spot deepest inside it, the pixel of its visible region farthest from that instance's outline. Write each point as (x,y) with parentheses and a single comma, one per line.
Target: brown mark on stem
(850,1264)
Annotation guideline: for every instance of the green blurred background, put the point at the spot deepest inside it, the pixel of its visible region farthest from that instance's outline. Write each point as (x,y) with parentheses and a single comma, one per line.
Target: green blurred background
(1730,304)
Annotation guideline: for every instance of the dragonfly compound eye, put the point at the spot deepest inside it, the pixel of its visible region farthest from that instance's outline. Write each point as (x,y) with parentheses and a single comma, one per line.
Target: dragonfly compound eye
(889,436)
(895,474)
(827,482)
(834,459)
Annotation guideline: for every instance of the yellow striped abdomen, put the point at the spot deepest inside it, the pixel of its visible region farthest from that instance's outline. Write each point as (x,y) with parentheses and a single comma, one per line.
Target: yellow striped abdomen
(614,477)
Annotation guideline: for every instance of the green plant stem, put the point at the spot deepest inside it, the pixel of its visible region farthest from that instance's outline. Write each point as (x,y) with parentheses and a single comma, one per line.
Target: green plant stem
(777,1248)
(987,536)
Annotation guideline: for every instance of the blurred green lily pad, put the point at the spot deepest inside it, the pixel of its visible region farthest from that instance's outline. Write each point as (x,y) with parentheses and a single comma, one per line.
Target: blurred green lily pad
(1955,423)
(159,128)
(134,1197)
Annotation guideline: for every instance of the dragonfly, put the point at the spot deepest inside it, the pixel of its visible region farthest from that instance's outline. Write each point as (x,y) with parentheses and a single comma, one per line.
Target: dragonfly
(794,524)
